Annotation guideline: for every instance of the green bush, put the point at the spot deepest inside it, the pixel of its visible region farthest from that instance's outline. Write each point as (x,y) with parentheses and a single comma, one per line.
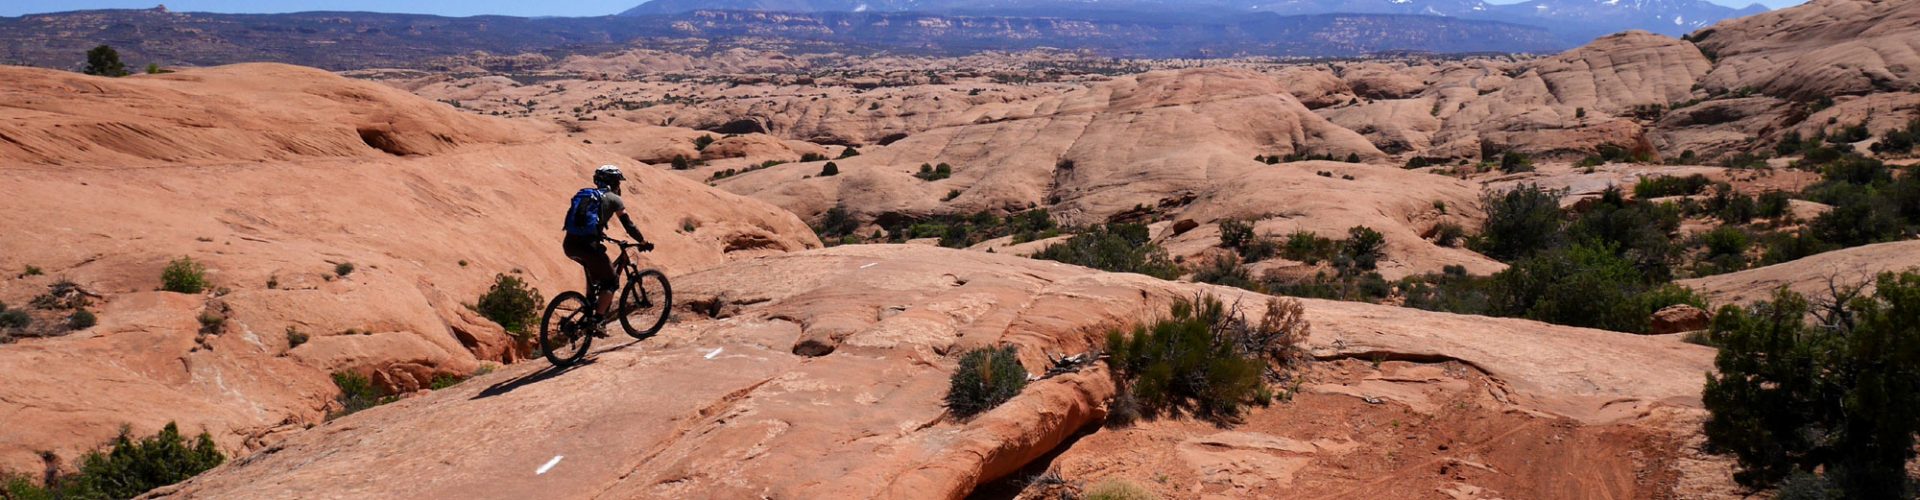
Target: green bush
(1305,246)
(1583,285)
(1235,233)
(81,320)
(1448,234)
(1519,222)
(848,153)
(357,393)
(1773,204)
(1119,247)
(1839,397)
(127,469)
(104,61)
(985,379)
(1187,363)
(830,169)
(701,143)
(343,269)
(512,304)
(1352,286)
(933,173)
(15,318)
(1227,271)
(295,337)
(837,222)
(183,275)
(1513,163)
(1363,247)
(1666,185)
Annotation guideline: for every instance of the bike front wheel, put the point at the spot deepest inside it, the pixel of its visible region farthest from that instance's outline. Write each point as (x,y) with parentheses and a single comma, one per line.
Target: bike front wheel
(566,330)
(645,302)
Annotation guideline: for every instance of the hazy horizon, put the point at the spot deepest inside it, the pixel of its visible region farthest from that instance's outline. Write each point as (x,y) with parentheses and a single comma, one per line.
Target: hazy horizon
(576,8)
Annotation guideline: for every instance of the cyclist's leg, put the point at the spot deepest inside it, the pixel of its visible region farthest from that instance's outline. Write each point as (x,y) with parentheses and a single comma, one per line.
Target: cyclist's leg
(592,255)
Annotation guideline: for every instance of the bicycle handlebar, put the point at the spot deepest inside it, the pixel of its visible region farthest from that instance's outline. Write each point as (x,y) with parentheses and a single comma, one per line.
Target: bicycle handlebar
(644,247)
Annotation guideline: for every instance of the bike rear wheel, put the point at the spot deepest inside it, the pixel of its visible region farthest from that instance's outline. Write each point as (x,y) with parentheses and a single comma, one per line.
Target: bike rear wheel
(645,302)
(566,330)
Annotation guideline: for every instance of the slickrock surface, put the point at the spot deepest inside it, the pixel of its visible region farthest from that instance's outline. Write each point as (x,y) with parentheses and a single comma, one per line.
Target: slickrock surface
(725,407)
(260,172)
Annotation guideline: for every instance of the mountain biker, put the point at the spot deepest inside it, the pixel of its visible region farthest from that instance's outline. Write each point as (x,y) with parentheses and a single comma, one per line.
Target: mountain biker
(586,230)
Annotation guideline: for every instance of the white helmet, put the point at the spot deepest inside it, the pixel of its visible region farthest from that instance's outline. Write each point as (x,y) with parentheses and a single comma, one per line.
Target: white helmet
(608,175)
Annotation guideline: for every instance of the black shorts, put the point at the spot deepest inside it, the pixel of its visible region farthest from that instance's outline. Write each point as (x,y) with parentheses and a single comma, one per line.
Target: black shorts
(592,255)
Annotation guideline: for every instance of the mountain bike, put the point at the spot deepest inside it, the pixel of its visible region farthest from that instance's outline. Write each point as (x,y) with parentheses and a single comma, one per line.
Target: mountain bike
(571,322)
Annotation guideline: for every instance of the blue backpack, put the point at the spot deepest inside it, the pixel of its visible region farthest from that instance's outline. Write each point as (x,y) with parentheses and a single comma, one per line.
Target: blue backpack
(583,217)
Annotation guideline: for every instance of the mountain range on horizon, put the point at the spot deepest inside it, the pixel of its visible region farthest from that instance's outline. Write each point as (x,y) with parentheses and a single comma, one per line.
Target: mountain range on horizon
(1578,20)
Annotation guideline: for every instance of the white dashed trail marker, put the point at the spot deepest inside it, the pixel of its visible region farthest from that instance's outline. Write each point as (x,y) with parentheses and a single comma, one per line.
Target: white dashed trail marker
(549,466)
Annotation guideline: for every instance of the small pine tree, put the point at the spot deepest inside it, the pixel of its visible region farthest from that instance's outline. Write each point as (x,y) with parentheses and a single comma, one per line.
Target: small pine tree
(104,61)
(829,170)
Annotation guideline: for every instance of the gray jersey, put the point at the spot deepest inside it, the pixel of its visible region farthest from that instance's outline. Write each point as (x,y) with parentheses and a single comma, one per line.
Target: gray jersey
(610,204)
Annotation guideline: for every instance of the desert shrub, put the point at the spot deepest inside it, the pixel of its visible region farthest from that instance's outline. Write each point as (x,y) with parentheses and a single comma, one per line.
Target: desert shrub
(445,380)
(127,469)
(812,157)
(932,173)
(14,318)
(1305,246)
(1115,489)
(295,337)
(1235,233)
(1773,204)
(1363,248)
(848,153)
(701,143)
(1519,222)
(1785,247)
(1239,236)
(680,162)
(1899,141)
(1583,285)
(1804,485)
(81,320)
(830,169)
(1448,234)
(511,303)
(1857,219)
(1351,286)
(837,222)
(1725,240)
(183,275)
(357,393)
(104,61)
(985,379)
(1606,153)
(343,269)
(1666,185)
(1188,363)
(1452,290)
(1513,163)
(1641,232)
(1836,397)
(31,270)
(1226,271)
(1118,247)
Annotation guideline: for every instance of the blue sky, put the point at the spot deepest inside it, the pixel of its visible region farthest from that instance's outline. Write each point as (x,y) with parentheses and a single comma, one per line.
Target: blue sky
(441,7)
